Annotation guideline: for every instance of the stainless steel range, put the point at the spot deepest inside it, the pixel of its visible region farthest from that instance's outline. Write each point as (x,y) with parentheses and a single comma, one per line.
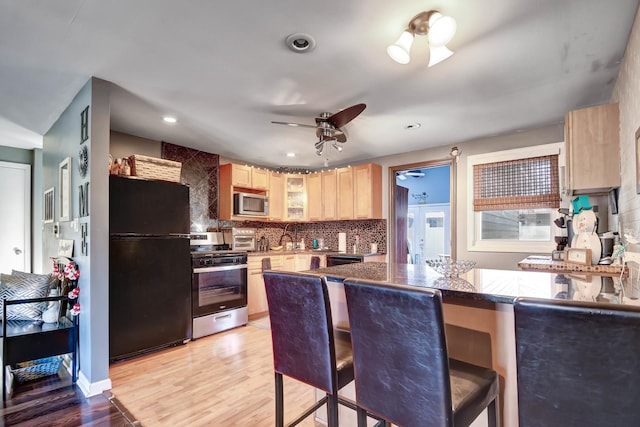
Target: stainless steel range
(219,285)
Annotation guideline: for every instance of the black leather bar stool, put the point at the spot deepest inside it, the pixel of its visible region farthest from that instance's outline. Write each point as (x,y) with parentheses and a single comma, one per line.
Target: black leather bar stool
(402,370)
(305,345)
(315,262)
(266,263)
(578,363)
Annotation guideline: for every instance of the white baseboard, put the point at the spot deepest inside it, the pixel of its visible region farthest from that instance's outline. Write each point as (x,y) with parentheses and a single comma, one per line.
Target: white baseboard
(92,389)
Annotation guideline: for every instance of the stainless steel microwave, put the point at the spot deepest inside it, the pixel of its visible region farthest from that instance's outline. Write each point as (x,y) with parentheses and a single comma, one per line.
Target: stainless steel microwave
(250,204)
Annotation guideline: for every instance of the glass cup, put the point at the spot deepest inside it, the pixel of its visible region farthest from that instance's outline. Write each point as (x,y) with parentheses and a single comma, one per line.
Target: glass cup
(314,243)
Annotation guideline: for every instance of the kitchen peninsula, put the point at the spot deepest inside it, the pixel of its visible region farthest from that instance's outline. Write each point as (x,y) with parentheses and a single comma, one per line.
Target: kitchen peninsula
(478,309)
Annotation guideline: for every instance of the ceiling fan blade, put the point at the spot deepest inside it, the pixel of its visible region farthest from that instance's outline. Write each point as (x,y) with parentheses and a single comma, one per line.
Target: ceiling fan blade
(343,117)
(294,124)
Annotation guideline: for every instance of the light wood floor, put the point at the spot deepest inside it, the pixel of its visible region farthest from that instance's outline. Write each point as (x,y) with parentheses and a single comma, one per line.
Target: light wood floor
(221,380)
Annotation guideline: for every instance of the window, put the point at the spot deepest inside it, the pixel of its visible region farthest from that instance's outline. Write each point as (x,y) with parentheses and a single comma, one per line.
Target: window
(515,198)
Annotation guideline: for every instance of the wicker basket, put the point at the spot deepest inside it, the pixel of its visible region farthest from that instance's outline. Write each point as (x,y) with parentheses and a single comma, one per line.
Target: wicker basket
(29,371)
(153,168)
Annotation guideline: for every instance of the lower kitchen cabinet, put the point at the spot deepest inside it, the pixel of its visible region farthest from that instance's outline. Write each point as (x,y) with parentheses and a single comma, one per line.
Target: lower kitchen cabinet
(257,296)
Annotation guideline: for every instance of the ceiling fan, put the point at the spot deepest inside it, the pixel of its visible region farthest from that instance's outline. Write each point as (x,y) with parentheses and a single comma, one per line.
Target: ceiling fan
(329,126)
(402,175)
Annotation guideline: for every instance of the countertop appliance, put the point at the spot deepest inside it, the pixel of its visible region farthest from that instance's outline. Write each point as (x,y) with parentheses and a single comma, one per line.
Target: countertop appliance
(250,204)
(149,266)
(244,239)
(219,286)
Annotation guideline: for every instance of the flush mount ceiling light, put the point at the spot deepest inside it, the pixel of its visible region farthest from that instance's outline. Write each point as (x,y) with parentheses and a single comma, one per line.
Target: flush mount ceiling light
(440,30)
(300,42)
(169,119)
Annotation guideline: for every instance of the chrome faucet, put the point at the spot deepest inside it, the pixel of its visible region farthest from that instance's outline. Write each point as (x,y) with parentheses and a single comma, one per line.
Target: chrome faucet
(285,234)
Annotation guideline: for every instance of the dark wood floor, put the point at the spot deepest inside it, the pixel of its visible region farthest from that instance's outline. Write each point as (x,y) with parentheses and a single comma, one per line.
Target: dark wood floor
(55,401)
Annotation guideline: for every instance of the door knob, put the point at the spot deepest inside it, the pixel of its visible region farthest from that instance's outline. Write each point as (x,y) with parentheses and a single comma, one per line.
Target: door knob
(17,251)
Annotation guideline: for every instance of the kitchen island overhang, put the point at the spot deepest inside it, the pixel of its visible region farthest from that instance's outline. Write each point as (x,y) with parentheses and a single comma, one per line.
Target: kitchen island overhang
(478,309)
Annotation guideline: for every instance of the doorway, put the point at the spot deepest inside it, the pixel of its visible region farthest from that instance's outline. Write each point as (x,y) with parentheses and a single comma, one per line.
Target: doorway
(422,203)
(15,224)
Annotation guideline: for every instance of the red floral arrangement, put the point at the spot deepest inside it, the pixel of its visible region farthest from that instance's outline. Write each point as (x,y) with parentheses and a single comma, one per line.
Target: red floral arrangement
(72,274)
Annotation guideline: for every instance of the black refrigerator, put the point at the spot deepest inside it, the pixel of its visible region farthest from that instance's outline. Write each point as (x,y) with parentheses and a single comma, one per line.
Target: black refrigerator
(149,266)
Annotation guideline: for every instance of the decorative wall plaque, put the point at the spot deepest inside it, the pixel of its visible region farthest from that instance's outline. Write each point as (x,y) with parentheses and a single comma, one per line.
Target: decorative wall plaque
(83,199)
(84,125)
(83,161)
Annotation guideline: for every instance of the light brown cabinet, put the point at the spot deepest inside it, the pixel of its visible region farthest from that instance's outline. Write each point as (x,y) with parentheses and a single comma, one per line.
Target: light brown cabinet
(276,196)
(340,194)
(239,178)
(344,181)
(329,195)
(289,262)
(592,139)
(256,295)
(260,179)
(367,191)
(314,196)
(244,176)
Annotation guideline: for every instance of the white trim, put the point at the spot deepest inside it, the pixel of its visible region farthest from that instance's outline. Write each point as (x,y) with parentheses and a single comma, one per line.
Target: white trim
(92,389)
(500,156)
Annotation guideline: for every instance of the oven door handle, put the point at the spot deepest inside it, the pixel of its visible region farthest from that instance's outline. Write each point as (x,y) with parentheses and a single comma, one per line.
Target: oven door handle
(219,268)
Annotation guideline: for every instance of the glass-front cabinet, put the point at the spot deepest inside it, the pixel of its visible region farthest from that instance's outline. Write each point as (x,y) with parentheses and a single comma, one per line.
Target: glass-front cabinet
(295,198)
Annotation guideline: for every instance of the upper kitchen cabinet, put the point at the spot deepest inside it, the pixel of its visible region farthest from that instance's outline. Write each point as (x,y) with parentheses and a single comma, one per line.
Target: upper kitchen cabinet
(276,196)
(344,181)
(295,198)
(246,176)
(240,179)
(367,191)
(329,195)
(592,138)
(314,196)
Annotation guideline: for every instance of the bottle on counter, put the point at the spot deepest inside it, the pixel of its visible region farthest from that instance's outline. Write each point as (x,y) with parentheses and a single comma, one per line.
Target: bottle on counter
(301,246)
(356,245)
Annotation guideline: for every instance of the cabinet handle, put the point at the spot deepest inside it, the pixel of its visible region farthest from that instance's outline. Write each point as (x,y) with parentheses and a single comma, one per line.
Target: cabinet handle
(255,273)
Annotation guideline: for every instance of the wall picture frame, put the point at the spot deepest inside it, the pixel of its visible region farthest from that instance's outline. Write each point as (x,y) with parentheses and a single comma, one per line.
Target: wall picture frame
(48,205)
(64,180)
(65,247)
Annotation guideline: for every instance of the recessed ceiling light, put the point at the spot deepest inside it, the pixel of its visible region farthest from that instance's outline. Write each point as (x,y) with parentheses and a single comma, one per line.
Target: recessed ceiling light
(169,119)
(413,126)
(291,154)
(300,42)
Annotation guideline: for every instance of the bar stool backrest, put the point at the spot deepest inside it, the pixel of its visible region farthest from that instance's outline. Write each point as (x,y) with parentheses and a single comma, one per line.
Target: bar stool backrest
(578,363)
(301,328)
(397,333)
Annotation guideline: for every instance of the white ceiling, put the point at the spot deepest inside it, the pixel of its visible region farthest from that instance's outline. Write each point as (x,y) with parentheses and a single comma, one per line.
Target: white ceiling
(222,68)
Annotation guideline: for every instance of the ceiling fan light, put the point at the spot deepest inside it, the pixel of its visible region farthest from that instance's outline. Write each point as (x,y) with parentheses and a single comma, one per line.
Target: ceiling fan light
(337,147)
(399,51)
(438,54)
(441,29)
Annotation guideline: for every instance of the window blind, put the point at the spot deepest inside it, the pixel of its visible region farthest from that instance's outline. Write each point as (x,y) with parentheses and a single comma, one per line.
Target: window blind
(517,184)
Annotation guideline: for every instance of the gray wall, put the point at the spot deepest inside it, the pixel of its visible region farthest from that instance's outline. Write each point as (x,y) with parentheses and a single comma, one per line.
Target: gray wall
(124,145)
(62,140)
(497,260)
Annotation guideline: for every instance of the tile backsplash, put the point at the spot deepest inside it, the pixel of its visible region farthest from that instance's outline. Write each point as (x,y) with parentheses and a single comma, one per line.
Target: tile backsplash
(200,172)
(369,231)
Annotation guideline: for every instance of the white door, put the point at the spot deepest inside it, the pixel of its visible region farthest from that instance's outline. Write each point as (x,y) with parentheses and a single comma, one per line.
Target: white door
(15,209)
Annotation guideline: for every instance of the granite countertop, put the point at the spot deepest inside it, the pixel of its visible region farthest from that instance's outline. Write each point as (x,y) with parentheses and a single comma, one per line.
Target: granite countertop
(498,286)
